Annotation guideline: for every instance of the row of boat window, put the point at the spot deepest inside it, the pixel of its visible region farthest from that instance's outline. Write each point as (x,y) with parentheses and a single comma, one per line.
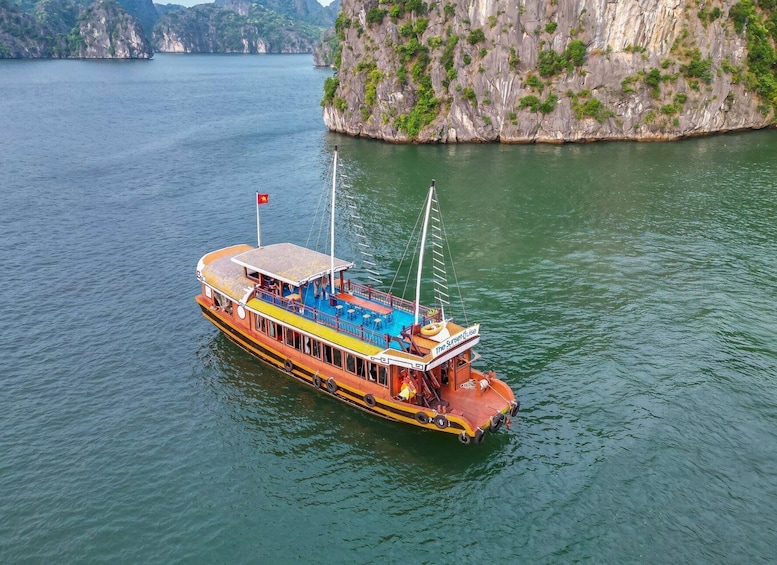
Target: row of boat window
(328,354)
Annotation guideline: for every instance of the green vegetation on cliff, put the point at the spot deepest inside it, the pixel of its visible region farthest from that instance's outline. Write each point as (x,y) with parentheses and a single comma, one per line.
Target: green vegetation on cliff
(70,29)
(410,70)
(759,24)
(207,28)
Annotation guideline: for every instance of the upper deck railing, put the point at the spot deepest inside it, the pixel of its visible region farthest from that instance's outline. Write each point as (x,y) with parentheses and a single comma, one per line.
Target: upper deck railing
(337,323)
(380,297)
(348,327)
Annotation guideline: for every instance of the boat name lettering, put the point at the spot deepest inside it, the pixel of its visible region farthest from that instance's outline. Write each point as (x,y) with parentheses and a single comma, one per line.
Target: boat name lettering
(455,340)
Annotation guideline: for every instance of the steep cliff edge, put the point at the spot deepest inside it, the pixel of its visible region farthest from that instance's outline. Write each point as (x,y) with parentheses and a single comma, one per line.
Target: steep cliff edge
(106,31)
(236,26)
(549,71)
(66,29)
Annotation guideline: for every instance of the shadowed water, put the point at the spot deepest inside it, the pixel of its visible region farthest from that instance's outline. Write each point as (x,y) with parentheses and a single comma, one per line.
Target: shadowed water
(627,292)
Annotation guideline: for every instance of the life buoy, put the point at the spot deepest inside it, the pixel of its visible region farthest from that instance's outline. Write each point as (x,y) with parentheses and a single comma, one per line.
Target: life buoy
(369,400)
(480,435)
(464,438)
(496,422)
(288,365)
(432,329)
(421,417)
(316,381)
(440,421)
(514,408)
(331,385)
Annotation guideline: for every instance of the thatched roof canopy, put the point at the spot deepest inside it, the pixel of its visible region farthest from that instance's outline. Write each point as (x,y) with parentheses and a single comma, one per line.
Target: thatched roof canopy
(289,263)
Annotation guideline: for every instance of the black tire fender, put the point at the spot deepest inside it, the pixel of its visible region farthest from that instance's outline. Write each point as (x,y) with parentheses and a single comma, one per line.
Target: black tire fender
(440,421)
(331,385)
(480,435)
(369,400)
(316,381)
(421,417)
(514,408)
(496,422)
(288,366)
(464,438)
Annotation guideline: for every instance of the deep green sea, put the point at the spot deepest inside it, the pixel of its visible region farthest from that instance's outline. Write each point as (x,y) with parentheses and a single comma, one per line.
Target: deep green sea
(627,292)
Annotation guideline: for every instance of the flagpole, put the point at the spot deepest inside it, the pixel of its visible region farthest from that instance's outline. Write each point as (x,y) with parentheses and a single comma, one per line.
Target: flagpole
(258,232)
(332,229)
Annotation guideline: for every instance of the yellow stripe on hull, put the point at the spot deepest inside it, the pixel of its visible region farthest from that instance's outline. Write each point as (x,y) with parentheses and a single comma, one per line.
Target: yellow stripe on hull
(390,410)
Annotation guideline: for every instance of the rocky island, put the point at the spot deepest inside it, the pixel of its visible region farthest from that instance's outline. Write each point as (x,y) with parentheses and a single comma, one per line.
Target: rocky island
(243,26)
(549,71)
(130,29)
(68,29)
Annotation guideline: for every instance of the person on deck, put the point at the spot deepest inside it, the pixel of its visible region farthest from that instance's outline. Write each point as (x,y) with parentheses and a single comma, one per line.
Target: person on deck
(408,389)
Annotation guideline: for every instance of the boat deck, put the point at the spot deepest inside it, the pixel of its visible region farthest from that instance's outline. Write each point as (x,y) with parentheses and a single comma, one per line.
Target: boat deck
(359,317)
(359,311)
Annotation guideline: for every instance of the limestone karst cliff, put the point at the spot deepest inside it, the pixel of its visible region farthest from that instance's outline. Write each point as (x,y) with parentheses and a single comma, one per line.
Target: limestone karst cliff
(325,48)
(68,29)
(234,26)
(105,31)
(548,71)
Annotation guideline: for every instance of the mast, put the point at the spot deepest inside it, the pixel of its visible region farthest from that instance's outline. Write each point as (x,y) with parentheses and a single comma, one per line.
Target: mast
(332,230)
(421,253)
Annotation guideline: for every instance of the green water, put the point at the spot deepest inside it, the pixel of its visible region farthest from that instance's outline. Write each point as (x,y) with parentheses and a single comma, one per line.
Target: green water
(627,292)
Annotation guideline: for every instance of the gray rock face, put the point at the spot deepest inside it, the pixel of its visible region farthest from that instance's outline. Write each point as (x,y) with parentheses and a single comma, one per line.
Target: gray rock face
(541,71)
(144,11)
(107,32)
(238,27)
(21,36)
(324,49)
(207,29)
(66,29)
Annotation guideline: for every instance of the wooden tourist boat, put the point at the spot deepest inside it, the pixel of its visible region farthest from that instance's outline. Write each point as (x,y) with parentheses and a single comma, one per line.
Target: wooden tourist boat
(297,309)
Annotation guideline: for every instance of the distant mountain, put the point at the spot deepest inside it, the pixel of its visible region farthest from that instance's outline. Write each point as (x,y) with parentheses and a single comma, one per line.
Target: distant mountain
(253,29)
(84,28)
(68,29)
(105,30)
(309,11)
(242,26)
(144,11)
(22,37)
(162,9)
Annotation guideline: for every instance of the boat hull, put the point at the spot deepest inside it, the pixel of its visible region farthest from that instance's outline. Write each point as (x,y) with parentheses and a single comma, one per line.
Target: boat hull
(367,400)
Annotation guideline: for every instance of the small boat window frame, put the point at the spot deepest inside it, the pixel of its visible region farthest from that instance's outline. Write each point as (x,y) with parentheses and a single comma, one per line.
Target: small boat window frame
(350,363)
(316,349)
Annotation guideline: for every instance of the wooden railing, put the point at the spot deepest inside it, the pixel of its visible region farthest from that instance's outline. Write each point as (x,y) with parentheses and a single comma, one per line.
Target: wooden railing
(386,299)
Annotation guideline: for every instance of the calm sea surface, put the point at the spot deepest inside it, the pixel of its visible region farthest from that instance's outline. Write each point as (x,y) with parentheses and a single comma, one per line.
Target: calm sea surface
(628,293)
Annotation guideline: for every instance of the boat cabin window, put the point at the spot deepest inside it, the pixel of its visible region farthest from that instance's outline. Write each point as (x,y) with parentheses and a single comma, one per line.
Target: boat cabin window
(376,373)
(338,357)
(222,302)
(293,339)
(275,330)
(333,356)
(350,363)
(261,324)
(361,367)
(253,275)
(316,349)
